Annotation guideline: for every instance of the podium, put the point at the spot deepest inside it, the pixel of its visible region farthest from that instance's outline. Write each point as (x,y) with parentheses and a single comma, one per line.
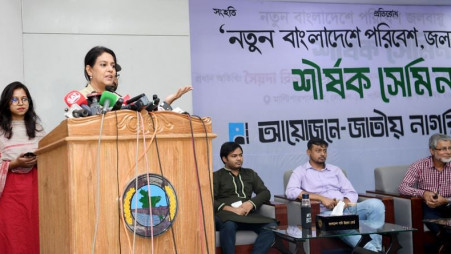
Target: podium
(85,184)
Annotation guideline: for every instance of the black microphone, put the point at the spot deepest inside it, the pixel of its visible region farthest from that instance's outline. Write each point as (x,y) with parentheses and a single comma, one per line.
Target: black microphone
(111,88)
(80,113)
(131,100)
(76,111)
(118,104)
(137,103)
(154,105)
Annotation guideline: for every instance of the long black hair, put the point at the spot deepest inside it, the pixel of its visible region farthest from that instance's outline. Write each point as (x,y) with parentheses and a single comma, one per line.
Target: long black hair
(30,117)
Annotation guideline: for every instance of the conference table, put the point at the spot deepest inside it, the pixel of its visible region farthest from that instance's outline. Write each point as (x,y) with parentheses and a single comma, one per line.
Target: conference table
(295,234)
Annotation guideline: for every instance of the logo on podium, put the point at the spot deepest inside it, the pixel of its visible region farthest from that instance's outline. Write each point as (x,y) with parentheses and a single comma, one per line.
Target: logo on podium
(149,205)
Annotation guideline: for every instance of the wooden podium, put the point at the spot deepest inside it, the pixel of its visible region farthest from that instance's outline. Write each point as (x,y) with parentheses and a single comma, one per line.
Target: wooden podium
(82,183)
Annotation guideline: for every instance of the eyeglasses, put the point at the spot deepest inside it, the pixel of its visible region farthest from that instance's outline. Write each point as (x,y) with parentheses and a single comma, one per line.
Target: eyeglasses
(16,100)
(443,149)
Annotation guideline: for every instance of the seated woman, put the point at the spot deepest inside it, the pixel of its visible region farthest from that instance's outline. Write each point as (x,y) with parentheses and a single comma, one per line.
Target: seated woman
(101,73)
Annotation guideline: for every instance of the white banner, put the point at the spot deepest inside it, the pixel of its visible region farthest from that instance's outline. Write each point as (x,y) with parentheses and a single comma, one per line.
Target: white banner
(373,81)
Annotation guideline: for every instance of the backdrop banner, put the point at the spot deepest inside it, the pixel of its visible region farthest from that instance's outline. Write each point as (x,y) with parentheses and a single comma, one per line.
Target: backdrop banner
(374,81)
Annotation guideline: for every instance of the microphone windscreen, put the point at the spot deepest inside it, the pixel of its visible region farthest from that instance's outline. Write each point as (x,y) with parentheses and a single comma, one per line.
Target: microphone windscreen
(75,97)
(108,96)
(111,88)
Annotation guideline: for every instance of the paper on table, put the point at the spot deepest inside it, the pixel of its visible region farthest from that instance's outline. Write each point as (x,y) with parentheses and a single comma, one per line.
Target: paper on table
(338,209)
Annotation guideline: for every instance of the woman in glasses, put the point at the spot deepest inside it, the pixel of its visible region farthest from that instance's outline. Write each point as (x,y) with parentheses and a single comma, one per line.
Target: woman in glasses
(20,133)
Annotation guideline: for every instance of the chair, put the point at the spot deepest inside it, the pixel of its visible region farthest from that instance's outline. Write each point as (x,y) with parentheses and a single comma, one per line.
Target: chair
(318,245)
(245,239)
(408,210)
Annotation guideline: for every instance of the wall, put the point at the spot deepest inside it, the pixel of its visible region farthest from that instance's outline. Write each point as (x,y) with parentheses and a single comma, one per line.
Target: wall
(11,60)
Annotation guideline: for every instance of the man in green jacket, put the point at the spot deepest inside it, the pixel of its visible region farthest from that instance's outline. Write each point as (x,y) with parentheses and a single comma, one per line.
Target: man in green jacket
(234,205)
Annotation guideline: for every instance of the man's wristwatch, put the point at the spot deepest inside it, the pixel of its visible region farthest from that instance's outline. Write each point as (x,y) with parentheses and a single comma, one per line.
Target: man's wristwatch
(449,202)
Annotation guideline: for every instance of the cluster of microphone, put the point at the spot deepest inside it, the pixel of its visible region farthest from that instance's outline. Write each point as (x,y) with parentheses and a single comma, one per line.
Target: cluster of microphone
(100,103)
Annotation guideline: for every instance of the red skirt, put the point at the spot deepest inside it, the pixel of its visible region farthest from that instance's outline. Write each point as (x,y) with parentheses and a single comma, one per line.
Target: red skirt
(19,214)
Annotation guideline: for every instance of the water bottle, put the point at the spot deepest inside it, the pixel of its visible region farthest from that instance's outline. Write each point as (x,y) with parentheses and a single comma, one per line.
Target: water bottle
(306,212)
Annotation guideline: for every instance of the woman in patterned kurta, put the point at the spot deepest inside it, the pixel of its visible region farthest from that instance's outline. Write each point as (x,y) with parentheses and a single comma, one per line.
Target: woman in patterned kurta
(19,134)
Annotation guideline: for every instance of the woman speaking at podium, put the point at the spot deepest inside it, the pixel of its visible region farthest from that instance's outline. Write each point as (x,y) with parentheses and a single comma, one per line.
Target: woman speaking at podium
(101,71)
(20,133)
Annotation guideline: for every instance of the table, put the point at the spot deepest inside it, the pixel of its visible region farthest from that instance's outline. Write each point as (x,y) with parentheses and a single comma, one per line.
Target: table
(297,235)
(444,235)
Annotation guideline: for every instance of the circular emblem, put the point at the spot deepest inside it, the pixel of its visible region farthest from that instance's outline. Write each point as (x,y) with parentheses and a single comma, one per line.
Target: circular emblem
(149,204)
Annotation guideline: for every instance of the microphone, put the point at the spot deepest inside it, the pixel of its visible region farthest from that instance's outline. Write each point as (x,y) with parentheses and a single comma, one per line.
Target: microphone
(111,88)
(76,111)
(154,105)
(108,98)
(87,108)
(78,105)
(75,97)
(137,103)
(126,98)
(137,97)
(93,99)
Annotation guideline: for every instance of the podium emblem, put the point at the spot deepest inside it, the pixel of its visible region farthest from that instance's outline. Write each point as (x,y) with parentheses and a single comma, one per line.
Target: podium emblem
(149,205)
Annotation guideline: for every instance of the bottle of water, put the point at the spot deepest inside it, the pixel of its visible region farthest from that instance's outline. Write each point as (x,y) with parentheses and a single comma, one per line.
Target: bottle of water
(306,212)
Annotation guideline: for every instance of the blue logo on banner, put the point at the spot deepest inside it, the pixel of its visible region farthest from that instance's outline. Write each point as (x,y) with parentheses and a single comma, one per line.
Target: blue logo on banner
(239,133)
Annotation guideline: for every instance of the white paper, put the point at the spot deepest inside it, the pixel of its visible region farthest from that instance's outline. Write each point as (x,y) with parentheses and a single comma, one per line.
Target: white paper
(338,209)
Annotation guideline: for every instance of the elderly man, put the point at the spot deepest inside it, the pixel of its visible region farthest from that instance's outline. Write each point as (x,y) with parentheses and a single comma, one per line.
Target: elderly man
(430,179)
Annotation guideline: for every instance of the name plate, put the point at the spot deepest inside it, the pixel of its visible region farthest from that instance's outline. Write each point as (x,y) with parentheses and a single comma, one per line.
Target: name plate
(328,222)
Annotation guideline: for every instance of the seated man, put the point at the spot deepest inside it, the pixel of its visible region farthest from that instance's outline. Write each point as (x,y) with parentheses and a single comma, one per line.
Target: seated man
(233,202)
(328,184)
(430,179)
